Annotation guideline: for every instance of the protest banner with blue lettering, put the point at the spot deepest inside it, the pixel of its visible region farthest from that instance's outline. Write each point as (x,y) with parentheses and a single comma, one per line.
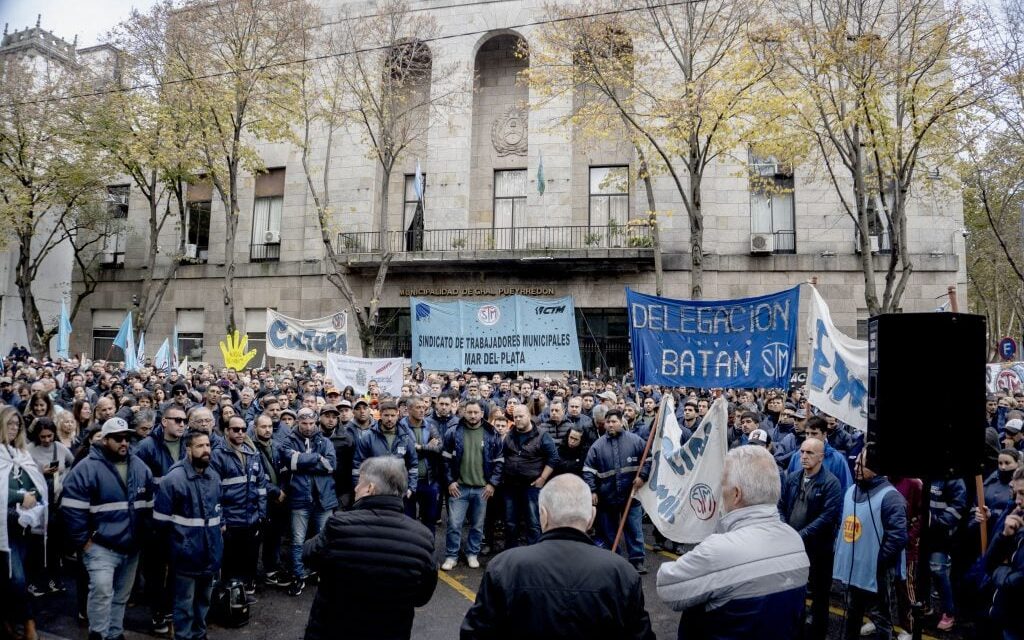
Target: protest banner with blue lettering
(358,373)
(514,333)
(683,494)
(748,342)
(306,339)
(837,380)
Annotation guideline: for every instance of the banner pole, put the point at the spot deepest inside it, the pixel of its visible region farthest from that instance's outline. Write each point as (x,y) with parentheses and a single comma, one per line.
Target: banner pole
(640,467)
(979,482)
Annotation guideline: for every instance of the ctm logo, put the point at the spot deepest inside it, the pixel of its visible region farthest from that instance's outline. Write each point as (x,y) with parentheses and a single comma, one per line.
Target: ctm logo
(547,311)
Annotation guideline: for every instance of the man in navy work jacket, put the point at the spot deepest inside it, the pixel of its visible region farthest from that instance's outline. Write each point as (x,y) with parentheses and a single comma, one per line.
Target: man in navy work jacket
(107,505)
(387,438)
(243,482)
(311,459)
(610,471)
(187,514)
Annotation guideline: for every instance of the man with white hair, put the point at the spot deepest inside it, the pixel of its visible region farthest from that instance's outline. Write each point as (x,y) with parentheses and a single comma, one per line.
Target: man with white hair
(564,585)
(749,579)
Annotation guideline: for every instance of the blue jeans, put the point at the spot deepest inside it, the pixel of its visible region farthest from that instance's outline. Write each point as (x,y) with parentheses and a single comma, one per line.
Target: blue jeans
(939,564)
(425,503)
(111,576)
(301,519)
(632,533)
(191,604)
(521,504)
(471,502)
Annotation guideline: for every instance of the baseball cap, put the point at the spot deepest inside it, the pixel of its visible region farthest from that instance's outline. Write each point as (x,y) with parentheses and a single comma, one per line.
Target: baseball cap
(360,401)
(331,389)
(115,425)
(306,412)
(5,380)
(1014,426)
(759,436)
(288,412)
(608,395)
(344,404)
(328,408)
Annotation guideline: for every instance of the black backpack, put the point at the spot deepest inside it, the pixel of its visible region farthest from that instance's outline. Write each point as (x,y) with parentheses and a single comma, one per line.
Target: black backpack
(228,607)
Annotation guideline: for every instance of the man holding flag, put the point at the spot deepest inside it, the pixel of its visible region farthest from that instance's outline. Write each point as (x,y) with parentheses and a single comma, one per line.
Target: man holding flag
(610,471)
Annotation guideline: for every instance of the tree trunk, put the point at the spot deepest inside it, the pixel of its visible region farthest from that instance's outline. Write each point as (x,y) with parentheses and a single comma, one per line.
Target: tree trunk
(652,220)
(34,329)
(696,230)
(231,231)
(385,197)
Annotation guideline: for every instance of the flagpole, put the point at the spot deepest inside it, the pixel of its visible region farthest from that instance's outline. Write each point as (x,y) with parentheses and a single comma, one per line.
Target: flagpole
(640,468)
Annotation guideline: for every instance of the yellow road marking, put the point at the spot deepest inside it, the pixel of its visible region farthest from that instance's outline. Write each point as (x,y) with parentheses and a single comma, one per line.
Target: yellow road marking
(466,592)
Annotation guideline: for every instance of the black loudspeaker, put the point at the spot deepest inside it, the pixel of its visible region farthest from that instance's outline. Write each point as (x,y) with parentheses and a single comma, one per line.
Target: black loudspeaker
(926,394)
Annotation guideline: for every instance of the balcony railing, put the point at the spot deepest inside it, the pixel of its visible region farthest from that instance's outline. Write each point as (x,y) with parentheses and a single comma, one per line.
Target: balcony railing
(498,239)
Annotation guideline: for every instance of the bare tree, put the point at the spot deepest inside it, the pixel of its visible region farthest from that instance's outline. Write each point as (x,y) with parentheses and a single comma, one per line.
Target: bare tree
(52,182)
(383,83)
(235,62)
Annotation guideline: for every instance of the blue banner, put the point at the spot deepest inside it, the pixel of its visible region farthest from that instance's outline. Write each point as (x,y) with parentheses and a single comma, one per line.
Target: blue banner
(745,343)
(508,334)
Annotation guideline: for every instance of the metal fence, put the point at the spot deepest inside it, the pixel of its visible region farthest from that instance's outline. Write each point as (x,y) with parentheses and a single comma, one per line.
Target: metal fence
(498,239)
(264,252)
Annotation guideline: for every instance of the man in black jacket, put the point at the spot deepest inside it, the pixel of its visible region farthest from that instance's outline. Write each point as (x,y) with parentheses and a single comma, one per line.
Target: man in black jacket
(530,458)
(811,503)
(564,585)
(376,564)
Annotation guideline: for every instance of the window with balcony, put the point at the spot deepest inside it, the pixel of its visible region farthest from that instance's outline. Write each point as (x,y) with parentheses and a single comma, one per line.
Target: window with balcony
(772,213)
(509,205)
(878,222)
(609,205)
(199,197)
(266,217)
(412,225)
(115,234)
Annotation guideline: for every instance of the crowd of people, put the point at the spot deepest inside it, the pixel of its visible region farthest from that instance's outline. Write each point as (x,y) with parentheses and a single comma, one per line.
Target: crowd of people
(181,489)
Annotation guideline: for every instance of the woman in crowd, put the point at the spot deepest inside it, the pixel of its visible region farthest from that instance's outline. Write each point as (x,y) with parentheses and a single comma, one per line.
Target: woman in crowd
(159,396)
(39,406)
(67,430)
(82,411)
(54,460)
(25,489)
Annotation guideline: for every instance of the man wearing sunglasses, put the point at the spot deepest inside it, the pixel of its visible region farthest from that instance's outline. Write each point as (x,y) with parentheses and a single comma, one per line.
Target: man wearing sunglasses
(159,452)
(107,505)
(243,485)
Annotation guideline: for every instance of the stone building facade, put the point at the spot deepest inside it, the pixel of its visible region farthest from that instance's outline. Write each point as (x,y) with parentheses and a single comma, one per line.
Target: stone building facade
(489,231)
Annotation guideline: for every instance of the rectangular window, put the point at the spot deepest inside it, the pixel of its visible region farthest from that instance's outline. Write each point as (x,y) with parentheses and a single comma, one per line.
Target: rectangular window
(609,206)
(256,329)
(190,333)
(409,204)
(266,217)
(771,203)
(878,222)
(105,323)
(197,232)
(509,205)
(115,234)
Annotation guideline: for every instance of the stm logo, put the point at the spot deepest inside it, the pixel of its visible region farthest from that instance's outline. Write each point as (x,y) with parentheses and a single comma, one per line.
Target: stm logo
(547,311)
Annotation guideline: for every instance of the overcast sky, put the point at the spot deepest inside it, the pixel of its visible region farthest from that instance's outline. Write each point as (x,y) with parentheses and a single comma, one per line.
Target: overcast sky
(88,19)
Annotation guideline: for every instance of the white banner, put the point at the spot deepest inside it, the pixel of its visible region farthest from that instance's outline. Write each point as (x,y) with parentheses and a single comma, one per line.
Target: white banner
(306,339)
(344,371)
(683,495)
(1005,376)
(837,380)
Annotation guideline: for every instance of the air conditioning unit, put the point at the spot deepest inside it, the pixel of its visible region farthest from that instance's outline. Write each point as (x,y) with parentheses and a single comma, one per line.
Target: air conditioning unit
(875,244)
(761,243)
(271,236)
(191,251)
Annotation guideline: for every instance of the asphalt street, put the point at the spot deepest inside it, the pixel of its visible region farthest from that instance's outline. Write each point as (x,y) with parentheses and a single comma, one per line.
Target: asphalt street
(279,617)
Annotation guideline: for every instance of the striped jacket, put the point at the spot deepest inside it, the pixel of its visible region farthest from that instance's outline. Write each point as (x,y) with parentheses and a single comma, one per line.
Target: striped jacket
(97,505)
(748,580)
(243,487)
(611,466)
(187,513)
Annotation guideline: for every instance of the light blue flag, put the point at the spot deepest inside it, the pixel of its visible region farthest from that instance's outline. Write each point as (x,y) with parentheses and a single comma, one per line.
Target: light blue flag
(131,362)
(140,354)
(540,175)
(417,182)
(63,332)
(162,359)
(124,334)
(174,348)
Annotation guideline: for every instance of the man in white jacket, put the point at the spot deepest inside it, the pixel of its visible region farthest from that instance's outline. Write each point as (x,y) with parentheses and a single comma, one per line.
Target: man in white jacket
(749,579)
